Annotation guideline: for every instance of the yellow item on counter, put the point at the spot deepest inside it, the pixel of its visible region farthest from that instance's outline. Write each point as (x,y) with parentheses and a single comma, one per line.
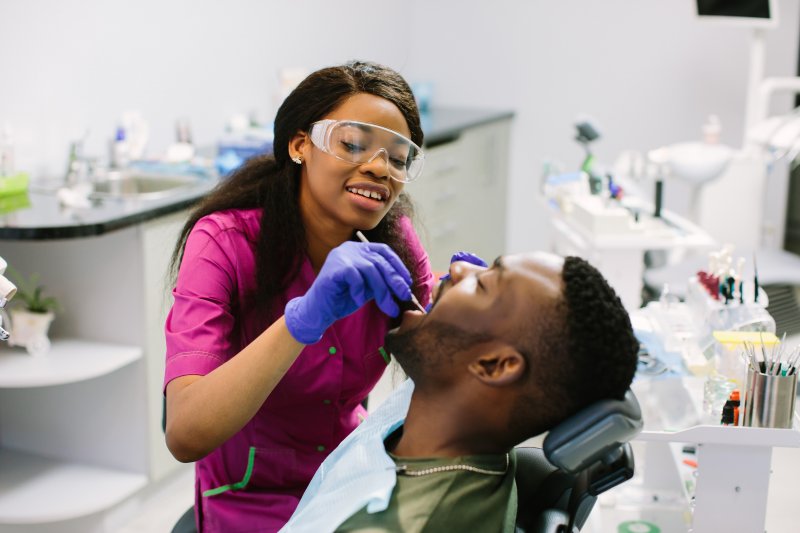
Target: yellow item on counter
(729,360)
(732,339)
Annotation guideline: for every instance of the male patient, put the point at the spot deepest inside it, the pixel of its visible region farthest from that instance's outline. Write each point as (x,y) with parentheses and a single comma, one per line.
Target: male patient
(504,354)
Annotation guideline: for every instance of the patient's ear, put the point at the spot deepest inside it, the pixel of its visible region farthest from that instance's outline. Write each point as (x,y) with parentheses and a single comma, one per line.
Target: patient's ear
(501,366)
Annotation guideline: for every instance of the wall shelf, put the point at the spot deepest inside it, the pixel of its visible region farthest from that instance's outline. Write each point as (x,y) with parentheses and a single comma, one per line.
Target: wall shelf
(38,490)
(68,361)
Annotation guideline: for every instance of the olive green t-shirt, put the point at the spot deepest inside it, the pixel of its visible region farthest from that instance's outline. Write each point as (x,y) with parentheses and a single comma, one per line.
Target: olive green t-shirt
(454,500)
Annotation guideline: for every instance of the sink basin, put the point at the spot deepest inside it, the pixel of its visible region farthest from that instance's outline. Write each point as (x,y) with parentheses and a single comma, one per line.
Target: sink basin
(142,186)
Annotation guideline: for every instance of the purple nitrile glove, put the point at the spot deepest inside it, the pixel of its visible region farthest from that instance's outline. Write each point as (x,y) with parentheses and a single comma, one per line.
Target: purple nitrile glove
(352,275)
(467,257)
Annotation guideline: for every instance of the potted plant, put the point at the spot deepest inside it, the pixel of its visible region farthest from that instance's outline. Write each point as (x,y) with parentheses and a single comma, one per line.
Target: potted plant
(31,314)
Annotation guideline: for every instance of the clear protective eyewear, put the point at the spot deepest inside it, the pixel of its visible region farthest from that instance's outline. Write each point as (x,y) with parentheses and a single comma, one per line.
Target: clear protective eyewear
(361,142)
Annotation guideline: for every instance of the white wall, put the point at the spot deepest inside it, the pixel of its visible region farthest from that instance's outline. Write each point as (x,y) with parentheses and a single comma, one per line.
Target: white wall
(68,65)
(646,70)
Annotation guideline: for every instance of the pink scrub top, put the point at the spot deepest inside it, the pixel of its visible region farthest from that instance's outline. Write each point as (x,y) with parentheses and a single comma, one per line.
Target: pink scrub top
(254,481)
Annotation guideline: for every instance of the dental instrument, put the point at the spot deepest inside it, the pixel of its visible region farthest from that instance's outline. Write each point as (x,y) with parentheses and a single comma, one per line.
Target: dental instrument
(755,279)
(413,298)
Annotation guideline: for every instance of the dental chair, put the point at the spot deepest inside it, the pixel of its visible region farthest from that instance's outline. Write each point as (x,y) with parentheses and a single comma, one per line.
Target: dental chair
(557,485)
(584,456)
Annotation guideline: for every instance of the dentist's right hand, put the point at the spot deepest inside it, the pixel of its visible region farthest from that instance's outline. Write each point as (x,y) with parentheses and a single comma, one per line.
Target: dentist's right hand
(353,274)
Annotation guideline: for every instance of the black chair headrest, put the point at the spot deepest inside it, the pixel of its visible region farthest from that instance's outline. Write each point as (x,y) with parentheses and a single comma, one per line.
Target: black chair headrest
(593,433)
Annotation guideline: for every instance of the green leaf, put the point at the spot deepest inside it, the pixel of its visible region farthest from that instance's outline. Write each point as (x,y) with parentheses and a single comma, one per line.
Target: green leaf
(50,304)
(30,292)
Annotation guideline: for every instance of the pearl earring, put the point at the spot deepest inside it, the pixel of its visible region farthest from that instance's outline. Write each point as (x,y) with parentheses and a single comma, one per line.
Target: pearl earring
(298,160)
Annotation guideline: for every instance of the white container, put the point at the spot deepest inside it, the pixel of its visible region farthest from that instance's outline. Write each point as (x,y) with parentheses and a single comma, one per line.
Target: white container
(30,329)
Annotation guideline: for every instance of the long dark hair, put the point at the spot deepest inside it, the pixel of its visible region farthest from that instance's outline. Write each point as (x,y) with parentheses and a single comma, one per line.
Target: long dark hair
(273,182)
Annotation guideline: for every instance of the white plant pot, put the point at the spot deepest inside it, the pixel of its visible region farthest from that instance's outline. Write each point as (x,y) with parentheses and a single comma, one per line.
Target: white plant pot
(30,330)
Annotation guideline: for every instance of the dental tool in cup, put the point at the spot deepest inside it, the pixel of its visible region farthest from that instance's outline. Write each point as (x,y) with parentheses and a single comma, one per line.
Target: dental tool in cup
(781,361)
(413,298)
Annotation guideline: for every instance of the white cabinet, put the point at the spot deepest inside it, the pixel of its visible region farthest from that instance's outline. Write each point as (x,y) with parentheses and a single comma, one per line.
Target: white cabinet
(80,428)
(460,199)
(67,440)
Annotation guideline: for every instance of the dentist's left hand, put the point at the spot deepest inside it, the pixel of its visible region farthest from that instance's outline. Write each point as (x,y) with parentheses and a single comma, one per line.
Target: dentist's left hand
(467,257)
(352,275)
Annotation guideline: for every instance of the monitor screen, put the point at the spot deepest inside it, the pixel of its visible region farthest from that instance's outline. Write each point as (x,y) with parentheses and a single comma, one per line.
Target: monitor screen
(753,13)
(759,9)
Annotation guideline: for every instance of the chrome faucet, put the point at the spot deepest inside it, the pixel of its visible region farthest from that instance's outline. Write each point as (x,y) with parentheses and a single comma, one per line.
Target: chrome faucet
(77,164)
(7,292)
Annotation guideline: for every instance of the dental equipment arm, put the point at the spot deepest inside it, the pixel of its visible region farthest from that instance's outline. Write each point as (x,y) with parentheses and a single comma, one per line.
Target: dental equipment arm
(7,292)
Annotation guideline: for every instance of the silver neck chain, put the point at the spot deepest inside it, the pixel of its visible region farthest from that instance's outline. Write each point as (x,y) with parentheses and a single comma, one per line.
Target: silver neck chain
(403,470)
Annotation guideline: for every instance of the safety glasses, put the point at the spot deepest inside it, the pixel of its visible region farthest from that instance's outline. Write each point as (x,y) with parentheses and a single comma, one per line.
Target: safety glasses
(360,142)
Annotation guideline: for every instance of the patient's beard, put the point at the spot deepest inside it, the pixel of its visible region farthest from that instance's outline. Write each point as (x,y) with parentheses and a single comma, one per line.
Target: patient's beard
(428,351)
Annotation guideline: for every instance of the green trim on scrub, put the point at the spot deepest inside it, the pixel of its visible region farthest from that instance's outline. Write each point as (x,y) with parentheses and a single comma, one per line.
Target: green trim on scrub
(385,355)
(251,458)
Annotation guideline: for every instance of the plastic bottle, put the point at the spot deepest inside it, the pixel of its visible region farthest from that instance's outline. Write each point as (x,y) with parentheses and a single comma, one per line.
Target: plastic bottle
(730,411)
(182,150)
(712,129)
(120,153)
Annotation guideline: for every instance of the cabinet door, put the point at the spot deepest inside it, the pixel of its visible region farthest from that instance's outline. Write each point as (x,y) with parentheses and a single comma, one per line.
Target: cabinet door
(436,197)
(461,197)
(483,198)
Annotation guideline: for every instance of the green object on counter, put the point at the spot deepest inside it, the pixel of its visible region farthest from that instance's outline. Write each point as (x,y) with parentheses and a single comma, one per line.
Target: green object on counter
(638,526)
(588,163)
(14,184)
(13,202)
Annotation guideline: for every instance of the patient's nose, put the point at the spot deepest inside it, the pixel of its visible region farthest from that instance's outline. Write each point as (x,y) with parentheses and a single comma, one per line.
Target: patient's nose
(461,269)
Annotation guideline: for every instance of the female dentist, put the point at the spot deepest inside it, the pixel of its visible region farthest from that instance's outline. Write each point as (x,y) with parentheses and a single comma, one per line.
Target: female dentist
(276,331)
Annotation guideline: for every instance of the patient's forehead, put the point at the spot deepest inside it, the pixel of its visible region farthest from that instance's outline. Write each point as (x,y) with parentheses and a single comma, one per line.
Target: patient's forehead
(541,271)
(531,287)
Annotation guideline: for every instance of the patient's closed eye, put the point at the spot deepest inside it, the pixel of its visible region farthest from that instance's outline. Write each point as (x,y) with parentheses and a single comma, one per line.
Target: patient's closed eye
(493,271)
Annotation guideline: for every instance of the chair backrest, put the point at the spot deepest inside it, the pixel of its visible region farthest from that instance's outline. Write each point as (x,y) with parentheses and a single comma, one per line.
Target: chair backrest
(582,457)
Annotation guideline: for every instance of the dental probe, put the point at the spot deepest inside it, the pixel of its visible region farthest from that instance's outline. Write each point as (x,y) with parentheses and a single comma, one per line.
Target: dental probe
(413,298)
